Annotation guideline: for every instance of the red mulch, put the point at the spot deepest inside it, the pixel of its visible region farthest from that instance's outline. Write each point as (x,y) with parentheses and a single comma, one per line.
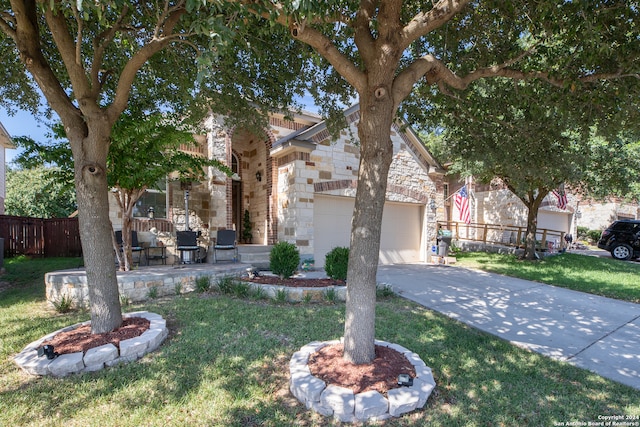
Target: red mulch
(295,282)
(81,338)
(380,375)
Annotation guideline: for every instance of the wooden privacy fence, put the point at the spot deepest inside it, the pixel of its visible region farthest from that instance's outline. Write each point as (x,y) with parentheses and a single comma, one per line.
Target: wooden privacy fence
(508,235)
(56,237)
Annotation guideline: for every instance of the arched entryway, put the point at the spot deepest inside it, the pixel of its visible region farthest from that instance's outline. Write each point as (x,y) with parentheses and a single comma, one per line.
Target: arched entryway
(252,192)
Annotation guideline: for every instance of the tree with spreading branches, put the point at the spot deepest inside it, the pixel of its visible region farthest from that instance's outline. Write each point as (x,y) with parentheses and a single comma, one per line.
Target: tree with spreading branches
(386,52)
(536,139)
(92,60)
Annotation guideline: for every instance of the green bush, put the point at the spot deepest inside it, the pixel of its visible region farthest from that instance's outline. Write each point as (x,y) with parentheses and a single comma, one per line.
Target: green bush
(582,232)
(336,263)
(594,235)
(284,259)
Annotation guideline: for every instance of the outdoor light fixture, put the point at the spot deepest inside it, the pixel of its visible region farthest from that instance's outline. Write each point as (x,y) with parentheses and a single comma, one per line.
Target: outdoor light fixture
(432,204)
(405,380)
(259,176)
(150,212)
(47,350)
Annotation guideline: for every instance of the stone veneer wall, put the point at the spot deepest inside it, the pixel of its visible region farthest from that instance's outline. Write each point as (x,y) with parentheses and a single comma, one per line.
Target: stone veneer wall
(217,149)
(597,216)
(295,204)
(299,176)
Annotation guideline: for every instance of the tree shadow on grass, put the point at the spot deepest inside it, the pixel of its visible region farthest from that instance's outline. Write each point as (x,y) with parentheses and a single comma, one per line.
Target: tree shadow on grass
(226,363)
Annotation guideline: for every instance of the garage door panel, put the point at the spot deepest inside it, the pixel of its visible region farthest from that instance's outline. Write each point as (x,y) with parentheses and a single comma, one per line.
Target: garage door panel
(401,229)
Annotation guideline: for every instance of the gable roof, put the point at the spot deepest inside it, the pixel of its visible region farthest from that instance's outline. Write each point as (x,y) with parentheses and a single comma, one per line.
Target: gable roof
(308,138)
(5,138)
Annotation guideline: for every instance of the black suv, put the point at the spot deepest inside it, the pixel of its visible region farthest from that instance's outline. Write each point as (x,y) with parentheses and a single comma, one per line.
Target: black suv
(622,239)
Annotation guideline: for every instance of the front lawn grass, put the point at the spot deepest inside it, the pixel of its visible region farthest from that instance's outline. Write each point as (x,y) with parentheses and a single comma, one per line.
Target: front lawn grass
(226,361)
(595,275)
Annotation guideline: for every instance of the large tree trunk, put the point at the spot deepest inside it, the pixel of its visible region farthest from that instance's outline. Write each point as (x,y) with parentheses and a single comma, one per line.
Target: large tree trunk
(532,229)
(90,154)
(376,152)
(533,206)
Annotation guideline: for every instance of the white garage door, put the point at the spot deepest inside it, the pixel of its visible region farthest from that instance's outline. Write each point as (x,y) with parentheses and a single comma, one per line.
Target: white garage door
(560,221)
(401,229)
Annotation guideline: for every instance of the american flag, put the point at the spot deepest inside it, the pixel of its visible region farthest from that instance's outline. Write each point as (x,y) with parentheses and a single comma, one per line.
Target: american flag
(462,203)
(562,198)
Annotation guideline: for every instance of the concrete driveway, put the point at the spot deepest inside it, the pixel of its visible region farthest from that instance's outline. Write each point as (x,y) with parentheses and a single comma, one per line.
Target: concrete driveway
(592,332)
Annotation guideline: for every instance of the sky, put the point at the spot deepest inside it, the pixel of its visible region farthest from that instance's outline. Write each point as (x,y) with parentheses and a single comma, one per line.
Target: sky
(22,124)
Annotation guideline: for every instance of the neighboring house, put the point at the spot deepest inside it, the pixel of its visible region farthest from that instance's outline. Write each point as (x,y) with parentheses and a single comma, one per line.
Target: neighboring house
(299,186)
(5,142)
(599,215)
(495,204)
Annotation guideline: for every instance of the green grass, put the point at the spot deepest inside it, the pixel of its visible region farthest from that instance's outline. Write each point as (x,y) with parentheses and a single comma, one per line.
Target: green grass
(225,363)
(595,275)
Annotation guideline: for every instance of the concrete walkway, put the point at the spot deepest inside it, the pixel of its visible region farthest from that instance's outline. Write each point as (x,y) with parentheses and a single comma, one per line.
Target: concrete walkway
(592,332)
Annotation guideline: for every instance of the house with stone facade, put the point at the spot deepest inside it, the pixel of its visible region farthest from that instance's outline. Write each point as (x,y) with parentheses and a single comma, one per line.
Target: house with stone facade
(298,185)
(495,204)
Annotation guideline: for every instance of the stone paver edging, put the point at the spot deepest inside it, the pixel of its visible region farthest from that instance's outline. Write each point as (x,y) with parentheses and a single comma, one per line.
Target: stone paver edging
(343,404)
(96,358)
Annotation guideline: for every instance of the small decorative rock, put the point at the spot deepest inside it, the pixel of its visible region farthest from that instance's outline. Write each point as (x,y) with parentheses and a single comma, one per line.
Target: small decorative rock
(343,405)
(95,358)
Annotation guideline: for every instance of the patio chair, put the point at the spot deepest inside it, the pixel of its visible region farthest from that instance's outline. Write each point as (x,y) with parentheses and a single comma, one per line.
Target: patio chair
(226,241)
(135,245)
(187,244)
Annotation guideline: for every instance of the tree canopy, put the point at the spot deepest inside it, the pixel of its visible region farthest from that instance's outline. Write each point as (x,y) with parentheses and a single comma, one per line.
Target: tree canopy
(382,51)
(532,137)
(397,56)
(39,193)
(94,60)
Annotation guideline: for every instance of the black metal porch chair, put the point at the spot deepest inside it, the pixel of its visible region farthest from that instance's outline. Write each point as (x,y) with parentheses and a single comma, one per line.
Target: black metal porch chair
(135,245)
(226,241)
(187,244)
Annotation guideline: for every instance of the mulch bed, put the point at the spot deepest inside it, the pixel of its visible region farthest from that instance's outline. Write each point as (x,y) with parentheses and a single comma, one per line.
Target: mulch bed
(81,338)
(381,375)
(295,282)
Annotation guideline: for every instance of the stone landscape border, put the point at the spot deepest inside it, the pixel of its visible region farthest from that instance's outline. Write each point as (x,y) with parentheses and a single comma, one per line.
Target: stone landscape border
(97,358)
(346,406)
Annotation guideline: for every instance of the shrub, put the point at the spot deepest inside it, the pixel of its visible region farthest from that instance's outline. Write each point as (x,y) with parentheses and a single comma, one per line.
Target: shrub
(582,232)
(152,293)
(331,295)
(336,263)
(384,291)
(124,300)
(226,285)
(257,293)
(281,296)
(241,289)
(594,235)
(63,304)
(203,283)
(284,259)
